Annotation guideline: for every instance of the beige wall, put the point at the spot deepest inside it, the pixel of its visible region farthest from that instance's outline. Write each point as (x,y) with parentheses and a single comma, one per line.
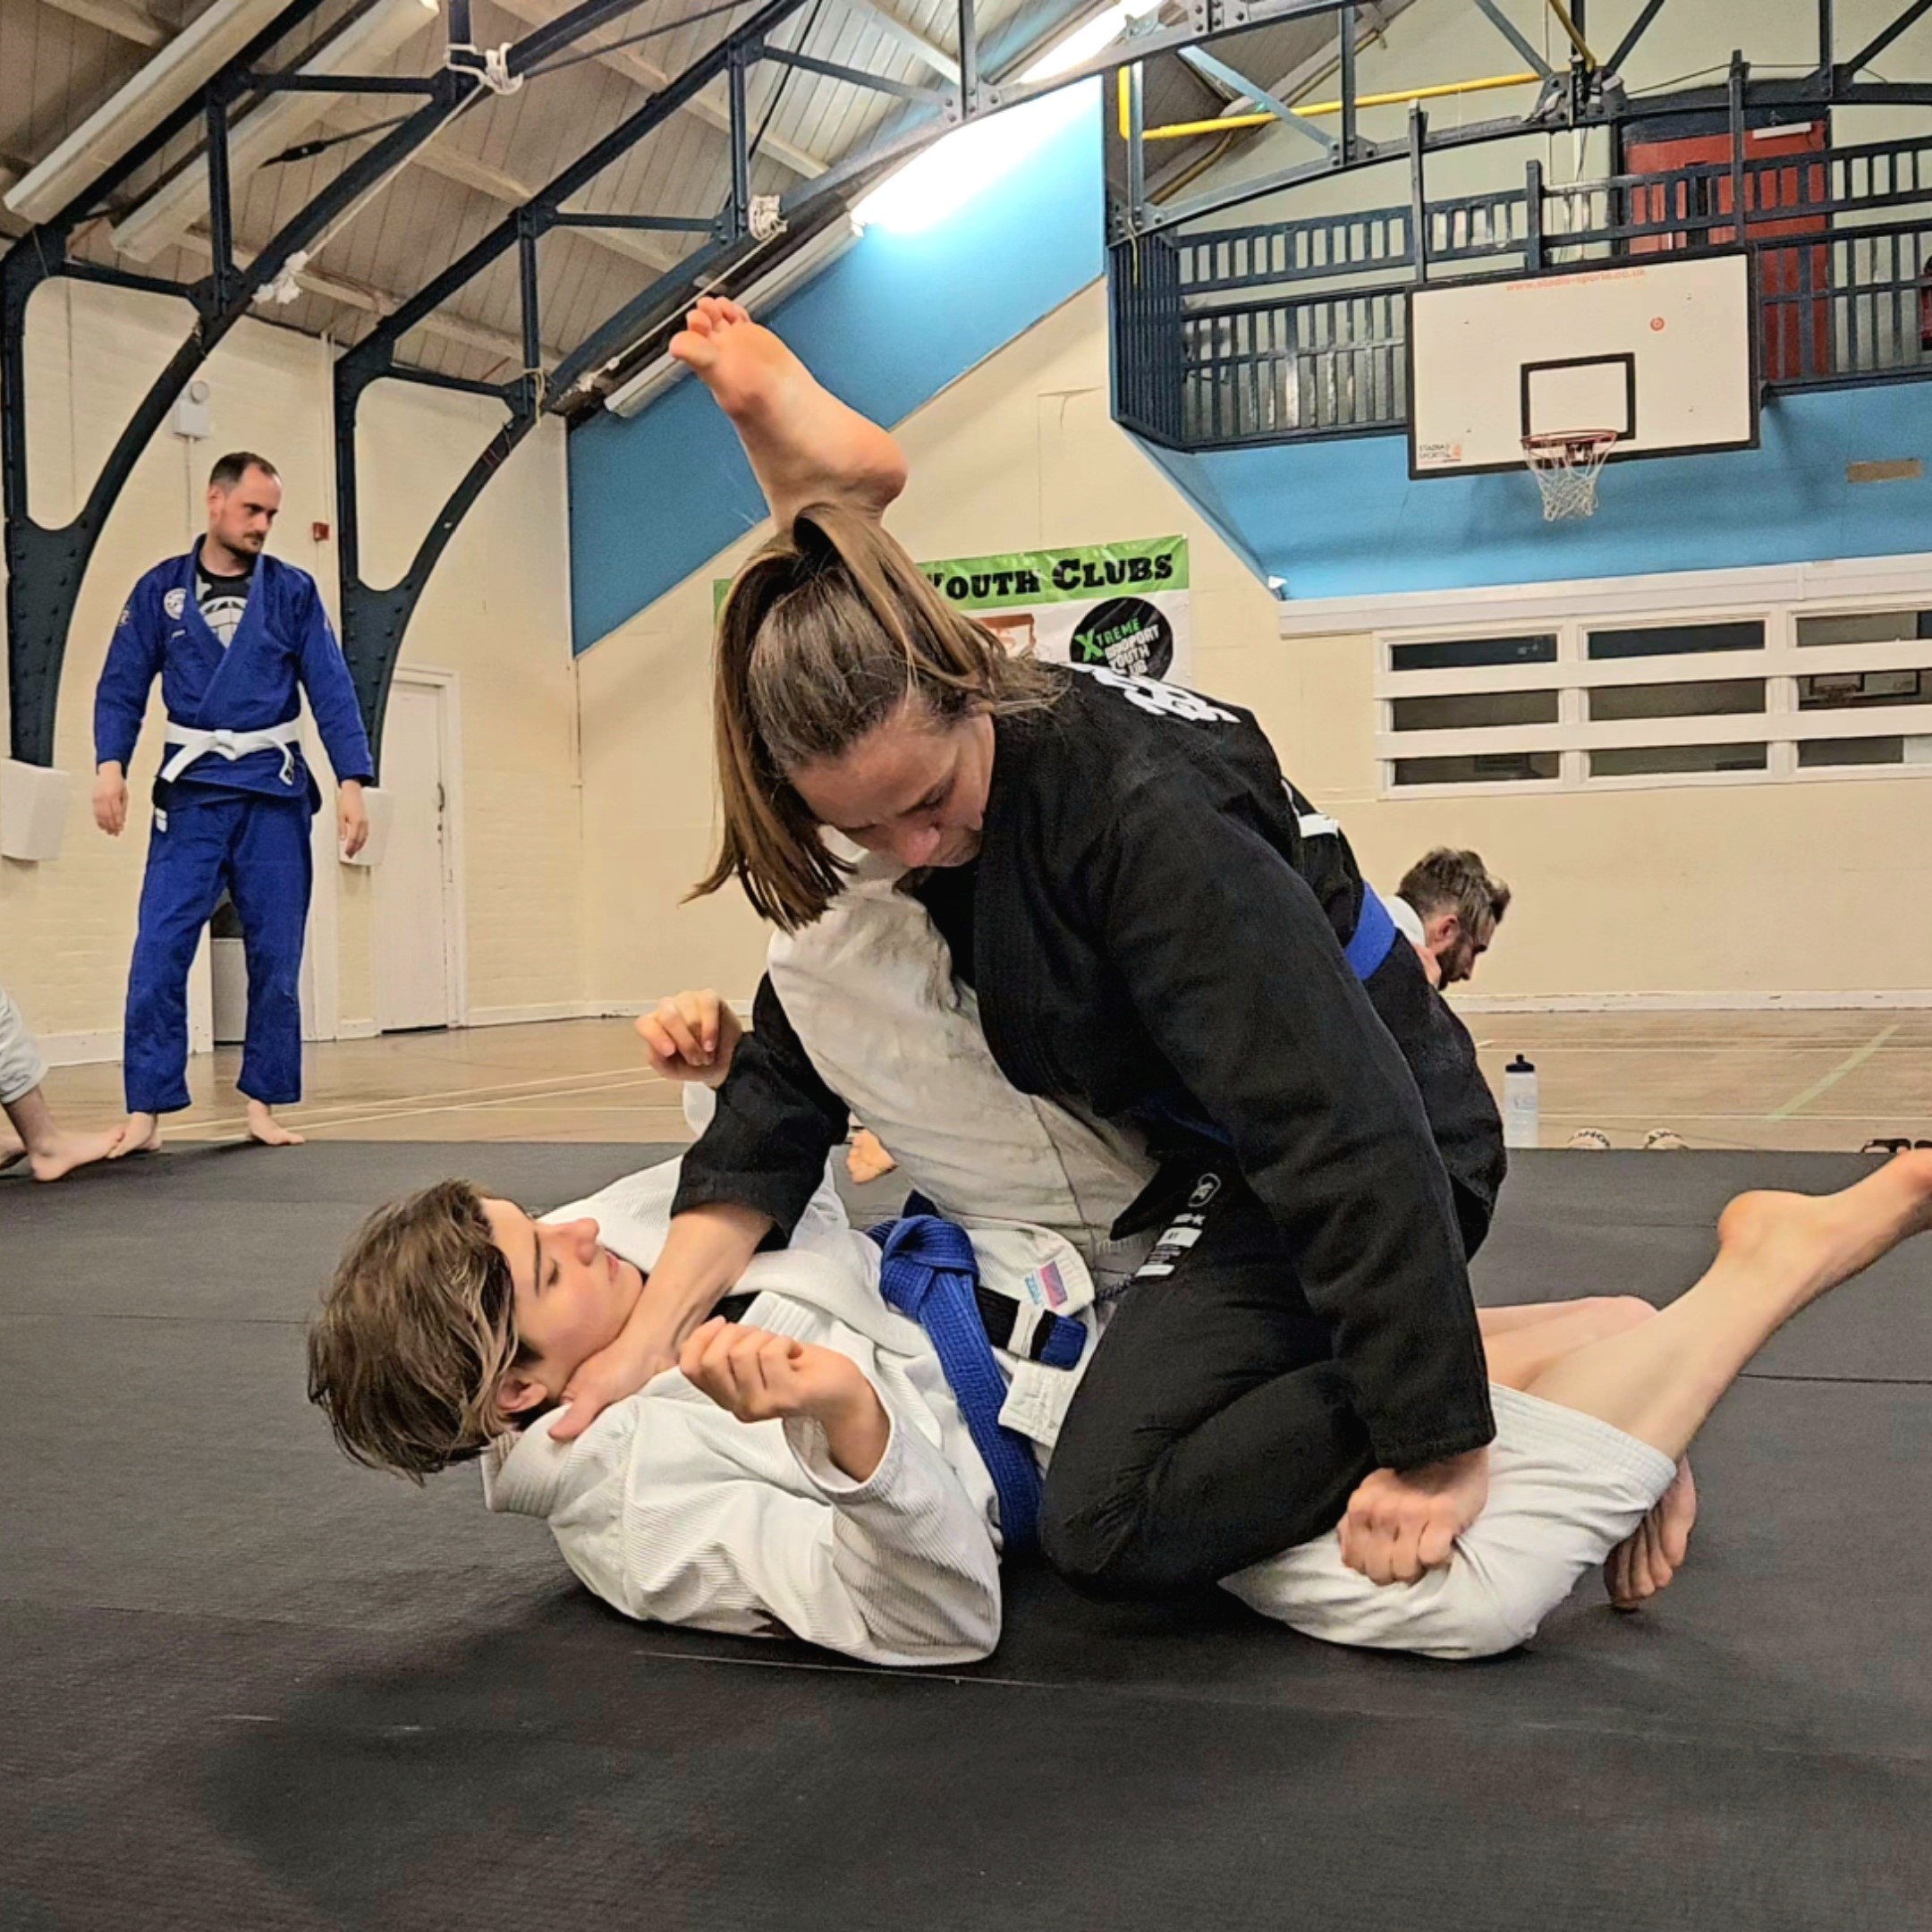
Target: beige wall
(496,614)
(1702,891)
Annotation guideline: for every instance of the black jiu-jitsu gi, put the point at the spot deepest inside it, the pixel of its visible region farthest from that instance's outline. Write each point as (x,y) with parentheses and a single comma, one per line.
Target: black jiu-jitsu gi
(1154,930)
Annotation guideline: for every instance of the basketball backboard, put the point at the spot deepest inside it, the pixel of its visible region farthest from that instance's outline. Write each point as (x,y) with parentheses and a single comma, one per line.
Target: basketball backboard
(1662,350)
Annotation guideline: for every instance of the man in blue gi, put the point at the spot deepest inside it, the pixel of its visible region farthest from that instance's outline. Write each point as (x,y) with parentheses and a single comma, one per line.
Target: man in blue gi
(231,634)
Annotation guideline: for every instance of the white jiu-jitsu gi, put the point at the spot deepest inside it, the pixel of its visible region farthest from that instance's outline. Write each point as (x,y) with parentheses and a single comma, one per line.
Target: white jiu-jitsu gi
(671,1510)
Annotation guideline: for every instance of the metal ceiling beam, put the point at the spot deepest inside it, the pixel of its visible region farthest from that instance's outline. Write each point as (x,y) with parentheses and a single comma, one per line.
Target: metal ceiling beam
(381,302)
(130,23)
(643,73)
(374,621)
(1245,90)
(467,170)
(46,566)
(1493,13)
(1906,18)
(1637,30)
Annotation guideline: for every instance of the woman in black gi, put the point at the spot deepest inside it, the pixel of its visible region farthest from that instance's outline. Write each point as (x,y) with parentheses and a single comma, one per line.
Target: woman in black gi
(1120,871)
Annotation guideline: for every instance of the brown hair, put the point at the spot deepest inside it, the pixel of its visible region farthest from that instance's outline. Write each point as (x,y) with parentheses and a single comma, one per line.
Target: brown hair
(415,1334)
(231,469)
(827,632)
(1459,880)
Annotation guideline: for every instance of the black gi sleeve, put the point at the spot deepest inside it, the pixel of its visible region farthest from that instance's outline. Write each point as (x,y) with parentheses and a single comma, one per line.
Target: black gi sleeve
(776,1122)
(1235,971)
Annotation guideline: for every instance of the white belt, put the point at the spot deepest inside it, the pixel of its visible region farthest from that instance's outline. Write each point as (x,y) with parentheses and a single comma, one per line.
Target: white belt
(188,746)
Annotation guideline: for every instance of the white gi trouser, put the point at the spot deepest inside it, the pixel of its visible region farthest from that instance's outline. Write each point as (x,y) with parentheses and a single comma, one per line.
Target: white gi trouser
(21,1068)
(869,988)
(1565,1490)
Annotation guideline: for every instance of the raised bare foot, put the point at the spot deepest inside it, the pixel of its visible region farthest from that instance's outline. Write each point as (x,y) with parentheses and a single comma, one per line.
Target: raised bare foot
(867,1159)
(264,1127)
(63,1151)
(1807,1244)
(141,1133)
(1652,1553)
(804,445)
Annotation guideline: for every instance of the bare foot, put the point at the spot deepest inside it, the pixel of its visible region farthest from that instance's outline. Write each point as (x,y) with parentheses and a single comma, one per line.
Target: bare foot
(867,1159)
(804,445)
(63,1151)
(264,1127)
(141,1133)
(1652,1553)
(1809,1244)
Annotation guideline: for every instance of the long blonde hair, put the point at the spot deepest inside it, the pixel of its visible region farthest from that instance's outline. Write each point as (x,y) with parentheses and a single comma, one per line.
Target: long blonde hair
(830,632)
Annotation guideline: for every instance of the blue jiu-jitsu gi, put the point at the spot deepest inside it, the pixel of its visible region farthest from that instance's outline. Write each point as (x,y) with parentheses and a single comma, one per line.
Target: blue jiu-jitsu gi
(232,808)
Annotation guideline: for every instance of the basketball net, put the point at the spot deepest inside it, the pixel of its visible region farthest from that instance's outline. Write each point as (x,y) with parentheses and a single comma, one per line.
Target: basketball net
(1565,464)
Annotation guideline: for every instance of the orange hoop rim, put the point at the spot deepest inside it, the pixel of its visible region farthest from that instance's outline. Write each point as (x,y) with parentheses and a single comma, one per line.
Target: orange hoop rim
(1569,443)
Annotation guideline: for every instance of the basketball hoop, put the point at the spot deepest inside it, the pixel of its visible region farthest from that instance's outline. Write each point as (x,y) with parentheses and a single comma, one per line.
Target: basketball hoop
(1564,462)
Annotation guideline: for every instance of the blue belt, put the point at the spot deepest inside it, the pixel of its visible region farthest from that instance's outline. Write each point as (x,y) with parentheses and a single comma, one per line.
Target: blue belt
(1374,934)
(930,1272)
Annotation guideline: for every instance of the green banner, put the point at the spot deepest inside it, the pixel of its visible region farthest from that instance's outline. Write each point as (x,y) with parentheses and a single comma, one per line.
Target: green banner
(1019,578)
(1079,573)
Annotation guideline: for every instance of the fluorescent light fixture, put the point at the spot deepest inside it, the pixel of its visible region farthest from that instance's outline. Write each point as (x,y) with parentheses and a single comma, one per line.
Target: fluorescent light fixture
(134,110)
(361,47)
(1084,42)
(939,182)
(765,293)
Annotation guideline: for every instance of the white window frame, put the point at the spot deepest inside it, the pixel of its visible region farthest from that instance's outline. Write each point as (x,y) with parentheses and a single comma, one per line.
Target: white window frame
(1780,726)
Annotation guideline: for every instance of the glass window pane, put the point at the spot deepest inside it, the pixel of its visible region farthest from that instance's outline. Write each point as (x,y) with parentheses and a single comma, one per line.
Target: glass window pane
(1706,698)
(1645,762)
(1474,711)
(1866,627)
(1845,690)
(1677,640)
(1459,654)
(1814,752)
(1493,767)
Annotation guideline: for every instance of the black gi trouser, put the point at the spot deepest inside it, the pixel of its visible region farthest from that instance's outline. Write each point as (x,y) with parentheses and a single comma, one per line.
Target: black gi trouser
(1214,1427)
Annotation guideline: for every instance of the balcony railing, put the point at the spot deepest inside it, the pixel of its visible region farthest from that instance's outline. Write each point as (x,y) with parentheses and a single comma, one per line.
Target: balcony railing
(1292,330)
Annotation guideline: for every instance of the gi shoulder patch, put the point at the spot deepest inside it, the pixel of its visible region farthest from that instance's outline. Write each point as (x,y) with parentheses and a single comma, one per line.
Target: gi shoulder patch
(175,602)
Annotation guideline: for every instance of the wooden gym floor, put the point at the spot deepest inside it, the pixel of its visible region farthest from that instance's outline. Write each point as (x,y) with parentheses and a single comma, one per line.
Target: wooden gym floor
(1812,1081)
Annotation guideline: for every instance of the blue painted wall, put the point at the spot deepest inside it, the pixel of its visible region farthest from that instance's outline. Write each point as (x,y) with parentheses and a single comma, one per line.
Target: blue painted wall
(1342,519)
(886,327)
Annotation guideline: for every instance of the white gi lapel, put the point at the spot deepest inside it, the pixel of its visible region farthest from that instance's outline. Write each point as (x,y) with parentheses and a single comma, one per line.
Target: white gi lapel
(189,644)
(870,989)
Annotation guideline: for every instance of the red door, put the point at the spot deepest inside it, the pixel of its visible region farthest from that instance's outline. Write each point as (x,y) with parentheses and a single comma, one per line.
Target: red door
(1794,281)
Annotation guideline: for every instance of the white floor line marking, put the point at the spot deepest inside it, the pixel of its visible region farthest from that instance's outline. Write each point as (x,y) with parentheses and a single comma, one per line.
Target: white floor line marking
(612,1079)
(1851,1064)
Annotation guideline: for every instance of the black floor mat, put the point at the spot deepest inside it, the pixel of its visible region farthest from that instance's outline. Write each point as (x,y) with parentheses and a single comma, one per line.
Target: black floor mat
(244,1685)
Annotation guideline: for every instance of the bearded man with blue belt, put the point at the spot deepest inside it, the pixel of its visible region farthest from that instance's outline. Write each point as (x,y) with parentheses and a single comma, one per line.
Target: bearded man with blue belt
(236,638)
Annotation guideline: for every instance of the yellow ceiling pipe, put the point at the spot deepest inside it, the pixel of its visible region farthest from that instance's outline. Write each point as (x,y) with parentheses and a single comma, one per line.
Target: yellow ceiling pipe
(1228,124)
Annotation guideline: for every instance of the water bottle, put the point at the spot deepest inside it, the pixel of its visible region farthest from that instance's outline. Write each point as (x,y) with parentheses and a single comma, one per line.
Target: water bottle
(1519,1103)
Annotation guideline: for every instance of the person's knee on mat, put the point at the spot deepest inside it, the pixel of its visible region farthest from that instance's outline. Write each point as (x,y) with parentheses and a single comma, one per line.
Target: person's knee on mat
(1106,1553)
